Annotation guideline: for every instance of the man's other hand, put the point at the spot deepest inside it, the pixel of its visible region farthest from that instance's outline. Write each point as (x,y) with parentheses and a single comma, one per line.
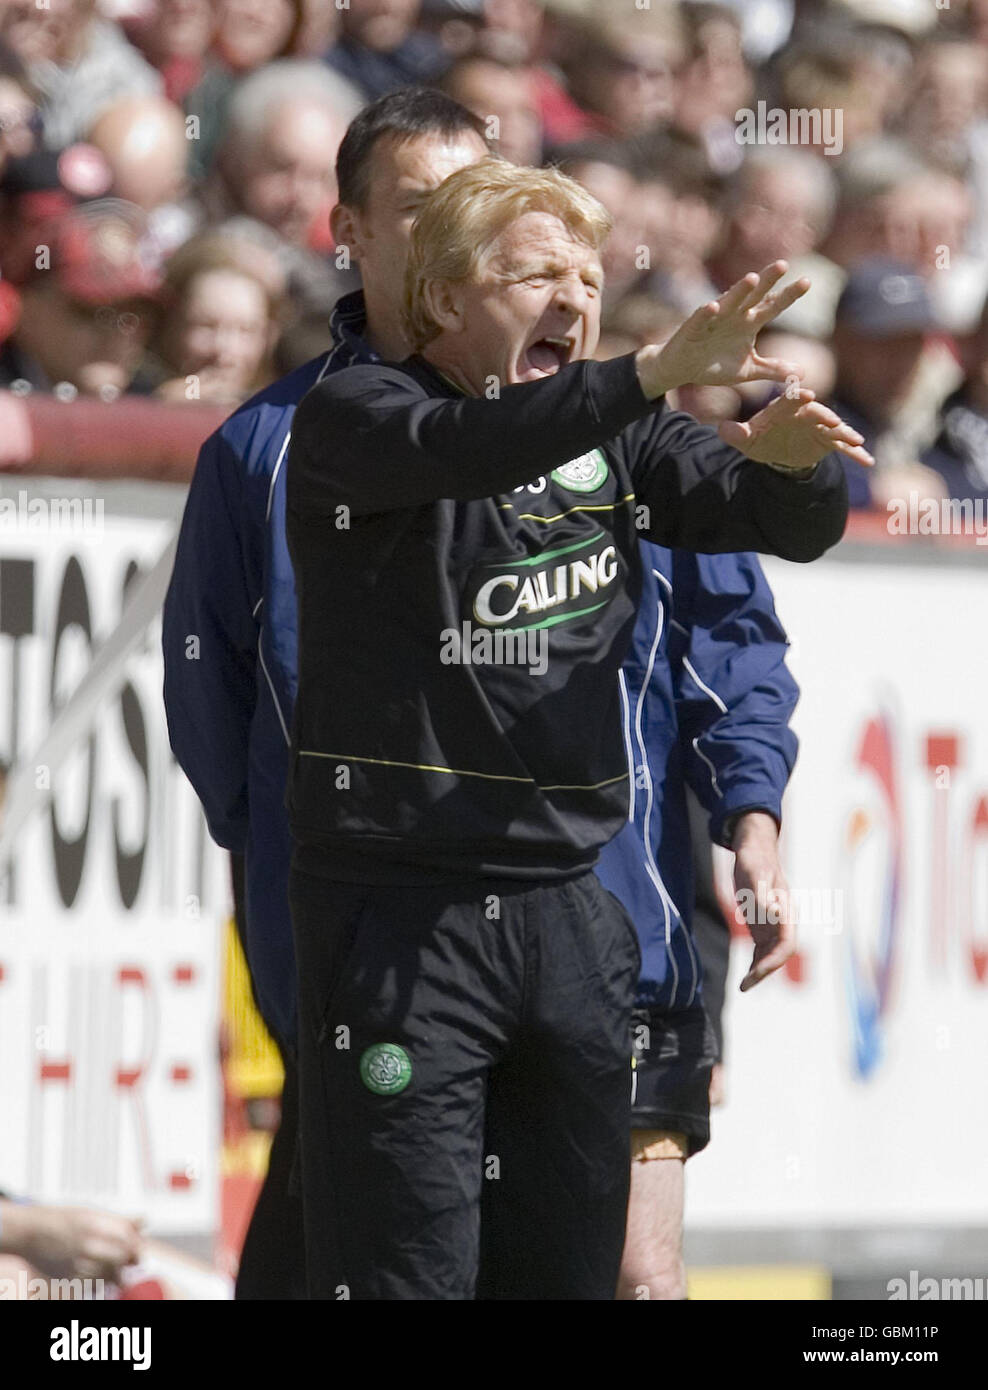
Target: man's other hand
(763,894)
(795,431)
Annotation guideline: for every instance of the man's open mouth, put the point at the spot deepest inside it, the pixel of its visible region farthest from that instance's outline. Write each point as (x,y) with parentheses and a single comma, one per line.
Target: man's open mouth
(547,355)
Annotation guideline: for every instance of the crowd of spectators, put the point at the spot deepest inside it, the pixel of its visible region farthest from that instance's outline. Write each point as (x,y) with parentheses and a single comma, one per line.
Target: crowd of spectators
(167,173)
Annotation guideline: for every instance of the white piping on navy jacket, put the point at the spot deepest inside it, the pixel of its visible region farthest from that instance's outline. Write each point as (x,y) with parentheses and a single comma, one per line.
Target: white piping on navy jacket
(267,517)
(696,742)
(651,867)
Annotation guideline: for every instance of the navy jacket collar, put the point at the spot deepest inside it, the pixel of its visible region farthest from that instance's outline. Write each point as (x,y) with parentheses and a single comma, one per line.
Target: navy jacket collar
(347,325)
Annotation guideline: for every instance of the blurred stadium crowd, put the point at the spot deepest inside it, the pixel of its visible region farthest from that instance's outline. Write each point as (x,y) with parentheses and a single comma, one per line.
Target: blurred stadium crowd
(167,170)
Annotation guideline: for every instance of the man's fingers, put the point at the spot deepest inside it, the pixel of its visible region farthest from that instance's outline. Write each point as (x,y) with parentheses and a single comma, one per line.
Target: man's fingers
(788,404)
(777,932)
(778,412)
(739,294)
(734,433)
(856,452)
(701,319)
(787,412)
(824,419)
(782,410)
(772,305)
(766,966)
(830,425)
(768,277)
(774,369)
(838,434)
(752,288)
(820,414)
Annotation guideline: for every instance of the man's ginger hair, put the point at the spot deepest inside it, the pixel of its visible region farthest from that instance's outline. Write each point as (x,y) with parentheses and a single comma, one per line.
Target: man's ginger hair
(458,223)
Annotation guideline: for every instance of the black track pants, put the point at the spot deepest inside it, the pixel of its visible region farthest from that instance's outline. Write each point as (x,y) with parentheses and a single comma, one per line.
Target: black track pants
(465,1088)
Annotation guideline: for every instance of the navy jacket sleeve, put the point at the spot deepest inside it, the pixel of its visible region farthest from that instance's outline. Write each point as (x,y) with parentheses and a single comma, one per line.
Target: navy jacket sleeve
(734,693)
(701,494)
(209,639)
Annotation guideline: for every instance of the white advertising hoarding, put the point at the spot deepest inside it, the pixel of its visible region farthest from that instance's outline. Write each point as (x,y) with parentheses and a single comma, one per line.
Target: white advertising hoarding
(857,1081)
(110,912)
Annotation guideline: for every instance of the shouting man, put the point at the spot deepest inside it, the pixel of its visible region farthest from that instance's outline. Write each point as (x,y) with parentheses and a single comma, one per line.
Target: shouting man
(465,982)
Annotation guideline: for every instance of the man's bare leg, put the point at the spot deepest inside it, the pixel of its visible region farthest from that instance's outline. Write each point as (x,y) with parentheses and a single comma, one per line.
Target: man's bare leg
(653,1266)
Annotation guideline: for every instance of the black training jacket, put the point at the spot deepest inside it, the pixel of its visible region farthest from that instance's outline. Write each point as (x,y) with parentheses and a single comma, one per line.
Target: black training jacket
(426,526)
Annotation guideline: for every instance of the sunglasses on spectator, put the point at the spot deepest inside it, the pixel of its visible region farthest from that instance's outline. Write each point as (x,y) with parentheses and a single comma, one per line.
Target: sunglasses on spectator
(126,317)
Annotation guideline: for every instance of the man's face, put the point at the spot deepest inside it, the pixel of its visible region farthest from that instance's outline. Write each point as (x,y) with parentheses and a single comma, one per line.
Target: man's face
(402,175)
(289,171)
(534,306)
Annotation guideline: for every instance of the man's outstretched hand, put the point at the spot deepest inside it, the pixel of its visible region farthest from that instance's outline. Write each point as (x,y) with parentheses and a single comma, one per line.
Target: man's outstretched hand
(795,431)
(716,344)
